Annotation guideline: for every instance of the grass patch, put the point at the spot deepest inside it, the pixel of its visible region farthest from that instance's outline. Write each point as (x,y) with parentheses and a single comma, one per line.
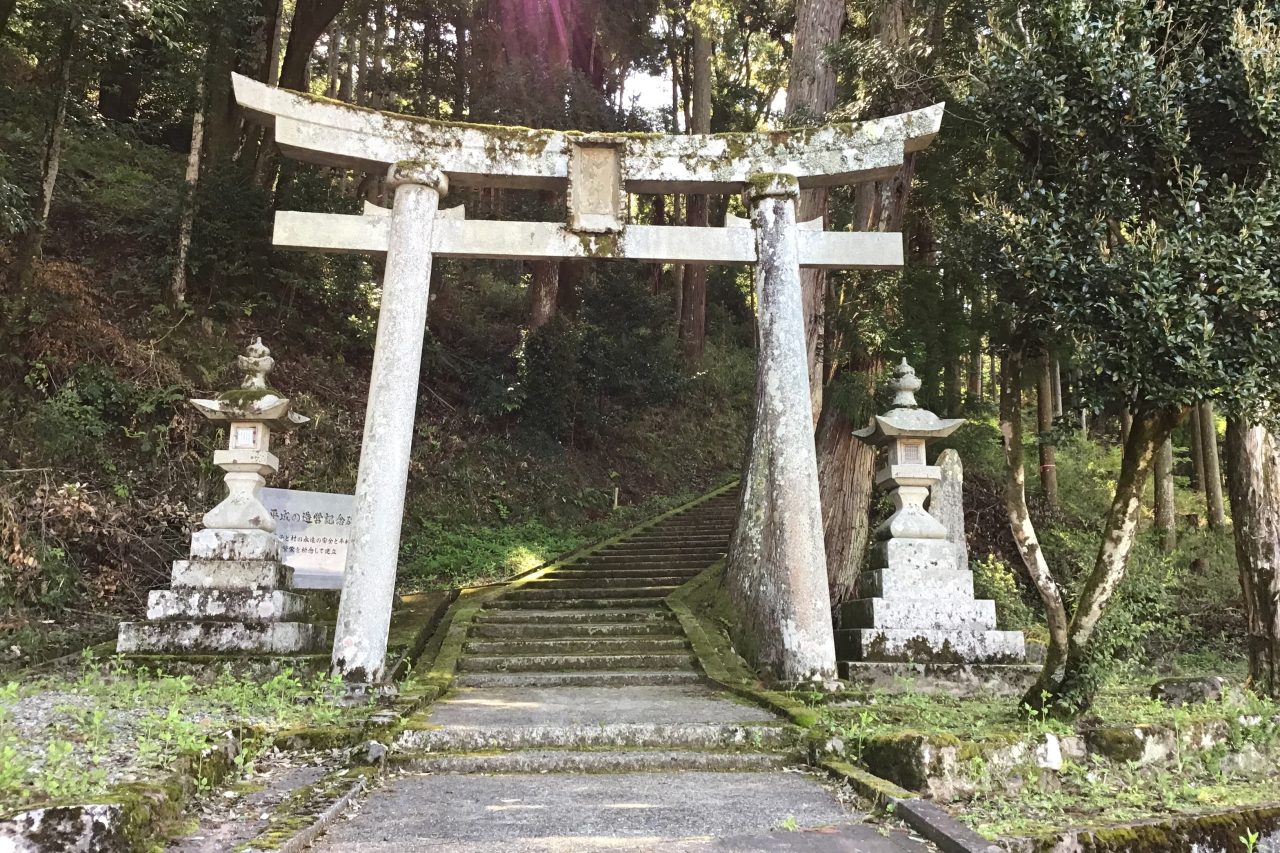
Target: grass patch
(77,736)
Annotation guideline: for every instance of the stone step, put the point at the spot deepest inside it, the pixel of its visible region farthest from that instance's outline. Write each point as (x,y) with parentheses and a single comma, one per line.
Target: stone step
(225,605)
(569,761)
(609,572)
(686,538)
(193,637)
(565,630)
(918,646)
(230,574)
(602,678)
(597,580)
(651,613)
(926,614)
(946,584)
(653,555)
(577,646)
(531,593)
(601,604)
(558,663)
(653,562)
(714,736)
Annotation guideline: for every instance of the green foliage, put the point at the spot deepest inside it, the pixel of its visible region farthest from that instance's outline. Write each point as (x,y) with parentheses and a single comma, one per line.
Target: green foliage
(1134,219)
(993,579)
(577,374)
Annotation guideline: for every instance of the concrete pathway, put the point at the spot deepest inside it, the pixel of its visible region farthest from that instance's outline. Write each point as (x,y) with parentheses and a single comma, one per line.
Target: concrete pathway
(581,721)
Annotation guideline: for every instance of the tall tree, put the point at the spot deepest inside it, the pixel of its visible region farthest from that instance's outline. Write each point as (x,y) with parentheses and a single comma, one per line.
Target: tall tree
(310,19)
(1097,202)
(1253,473)
(693,302)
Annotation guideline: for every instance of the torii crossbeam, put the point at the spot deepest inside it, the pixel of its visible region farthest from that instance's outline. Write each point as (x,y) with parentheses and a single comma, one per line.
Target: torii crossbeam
(777,554)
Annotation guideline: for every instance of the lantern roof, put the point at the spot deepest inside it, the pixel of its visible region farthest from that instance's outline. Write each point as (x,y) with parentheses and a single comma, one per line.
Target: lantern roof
(906,419)
(253,401)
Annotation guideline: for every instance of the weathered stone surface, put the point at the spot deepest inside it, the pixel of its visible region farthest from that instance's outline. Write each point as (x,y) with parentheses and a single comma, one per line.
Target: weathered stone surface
(230,574)
(235,545)
(1189,691)
(777,576)
(220,637)
(924,646)
(921,554)
(225,605)
(90,828)
(910,581)
(946,503)
(474,155)
(368,587)
(963,680)
(931,614)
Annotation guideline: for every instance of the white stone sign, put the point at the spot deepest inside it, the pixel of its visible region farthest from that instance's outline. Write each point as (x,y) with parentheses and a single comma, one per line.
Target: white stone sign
(315,532)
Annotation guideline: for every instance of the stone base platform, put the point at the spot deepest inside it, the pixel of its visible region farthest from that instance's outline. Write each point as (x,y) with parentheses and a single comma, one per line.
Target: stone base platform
(207,667)
(189,637)
(914,645)
(962,680)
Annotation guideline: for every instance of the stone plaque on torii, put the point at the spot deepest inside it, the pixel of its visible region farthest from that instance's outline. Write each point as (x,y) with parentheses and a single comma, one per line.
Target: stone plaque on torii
(596,172)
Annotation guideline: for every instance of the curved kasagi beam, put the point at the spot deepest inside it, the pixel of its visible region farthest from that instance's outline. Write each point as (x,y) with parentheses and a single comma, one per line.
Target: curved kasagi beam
(332,133)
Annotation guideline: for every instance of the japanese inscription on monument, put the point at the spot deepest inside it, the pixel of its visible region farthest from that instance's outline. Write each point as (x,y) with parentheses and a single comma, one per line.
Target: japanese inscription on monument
(315,529)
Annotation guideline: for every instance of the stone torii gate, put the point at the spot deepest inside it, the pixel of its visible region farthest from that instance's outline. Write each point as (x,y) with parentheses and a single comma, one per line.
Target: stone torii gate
(780,577)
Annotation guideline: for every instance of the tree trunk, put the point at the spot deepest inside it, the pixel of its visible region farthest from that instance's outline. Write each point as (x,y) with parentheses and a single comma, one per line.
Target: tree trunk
(1044,425)
(1015,505)
(846,482)
(1253,476)
(659,218)
(1126,425)
(542,293)
(178,287)
(334,55)
(346,87)
(1212,469)
(376,77)
(811,93)
(1057,388)
(693,304)
(1069,687)
(1166,506)
(1196,450)
(973,390)
(310,19)
(32,245)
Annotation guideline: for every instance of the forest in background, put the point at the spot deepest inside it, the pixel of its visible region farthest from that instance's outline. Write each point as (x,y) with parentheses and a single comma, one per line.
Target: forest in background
(1091,257)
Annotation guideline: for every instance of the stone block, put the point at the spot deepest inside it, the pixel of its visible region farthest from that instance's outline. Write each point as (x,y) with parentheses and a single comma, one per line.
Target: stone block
(922,554)
(235,545)
(962,680)
(931,614)
(912,582)
(220,637)
(230,574)
(232,605)
(1185,691)
(925,646)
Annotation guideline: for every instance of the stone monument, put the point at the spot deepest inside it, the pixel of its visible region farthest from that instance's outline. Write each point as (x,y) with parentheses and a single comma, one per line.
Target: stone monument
(919,605)
(232,596)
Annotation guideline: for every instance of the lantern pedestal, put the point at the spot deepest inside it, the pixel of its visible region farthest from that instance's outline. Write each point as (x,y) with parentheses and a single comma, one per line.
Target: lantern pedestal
(919,604)
(232,596)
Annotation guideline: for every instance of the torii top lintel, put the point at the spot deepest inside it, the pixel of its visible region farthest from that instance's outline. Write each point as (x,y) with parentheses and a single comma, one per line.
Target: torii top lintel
(331,133)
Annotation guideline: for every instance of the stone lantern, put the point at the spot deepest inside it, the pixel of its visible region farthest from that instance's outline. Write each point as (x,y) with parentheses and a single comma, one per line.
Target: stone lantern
(906,430)
(251,413)
(918,604)
(233,595)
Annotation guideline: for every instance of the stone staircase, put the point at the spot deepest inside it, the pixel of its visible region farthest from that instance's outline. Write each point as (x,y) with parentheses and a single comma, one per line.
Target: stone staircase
(584,669)
(580,720)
